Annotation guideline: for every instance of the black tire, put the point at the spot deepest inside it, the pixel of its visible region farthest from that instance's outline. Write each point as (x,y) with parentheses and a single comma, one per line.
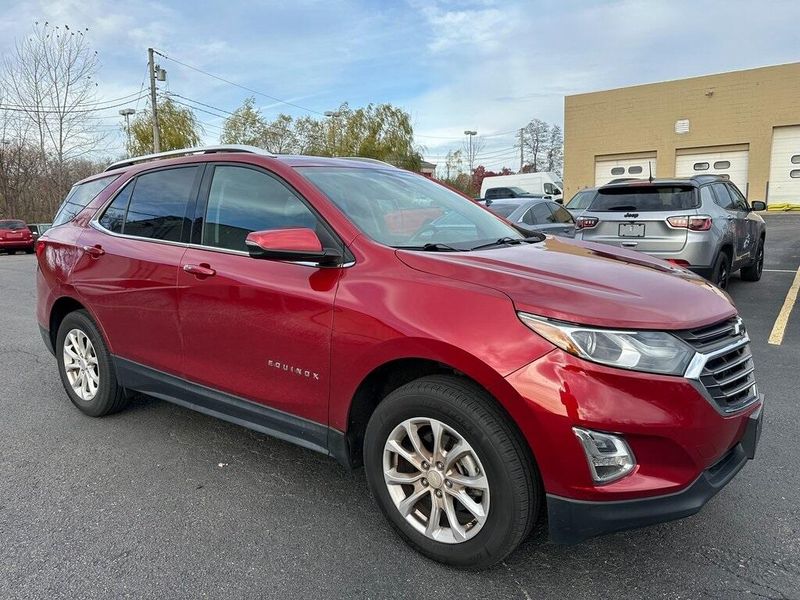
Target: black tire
(722,270)
(29,251)
(515,490)
(109,397)
(753,272)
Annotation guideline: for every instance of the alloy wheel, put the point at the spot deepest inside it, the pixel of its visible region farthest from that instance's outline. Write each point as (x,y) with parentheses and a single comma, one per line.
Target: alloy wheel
(80,364)
(436,480)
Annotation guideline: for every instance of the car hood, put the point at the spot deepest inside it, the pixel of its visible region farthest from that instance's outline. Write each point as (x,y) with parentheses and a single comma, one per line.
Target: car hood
(586,283)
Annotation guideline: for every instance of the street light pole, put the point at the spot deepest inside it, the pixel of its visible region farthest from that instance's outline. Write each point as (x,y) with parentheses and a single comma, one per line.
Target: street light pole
(469,133)
(333,114)
(127,112)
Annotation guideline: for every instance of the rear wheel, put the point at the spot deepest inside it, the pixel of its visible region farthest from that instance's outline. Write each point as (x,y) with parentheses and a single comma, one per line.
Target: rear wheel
(450,473)
(722,270)
(85,366)
(753,272)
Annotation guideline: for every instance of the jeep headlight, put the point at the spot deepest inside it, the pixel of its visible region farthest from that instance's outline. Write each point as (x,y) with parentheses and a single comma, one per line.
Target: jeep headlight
(648,351)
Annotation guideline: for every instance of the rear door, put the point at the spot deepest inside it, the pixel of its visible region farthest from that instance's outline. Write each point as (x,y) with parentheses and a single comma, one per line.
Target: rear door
(635,216)
(736,228)
(128,273)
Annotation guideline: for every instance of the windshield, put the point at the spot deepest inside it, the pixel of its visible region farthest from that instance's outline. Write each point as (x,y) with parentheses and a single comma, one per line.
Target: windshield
(645,198)
(12,225)
(404,210)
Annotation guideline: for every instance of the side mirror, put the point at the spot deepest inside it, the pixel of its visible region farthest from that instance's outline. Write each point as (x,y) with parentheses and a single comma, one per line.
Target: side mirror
(758,205)
(299,245)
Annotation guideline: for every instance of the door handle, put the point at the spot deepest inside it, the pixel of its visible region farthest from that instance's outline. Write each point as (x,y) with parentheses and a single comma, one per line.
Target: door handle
(95,251)
(202,270)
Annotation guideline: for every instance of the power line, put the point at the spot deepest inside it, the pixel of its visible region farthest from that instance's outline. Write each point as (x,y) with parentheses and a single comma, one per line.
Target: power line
(229,82)
(13,108)
(90,106)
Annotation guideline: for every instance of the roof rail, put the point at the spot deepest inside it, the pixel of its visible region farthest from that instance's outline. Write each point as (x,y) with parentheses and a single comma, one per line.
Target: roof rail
(186,152)
(369,160)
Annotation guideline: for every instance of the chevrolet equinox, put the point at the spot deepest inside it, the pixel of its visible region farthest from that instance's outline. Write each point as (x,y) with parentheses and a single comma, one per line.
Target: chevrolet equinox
(484,379)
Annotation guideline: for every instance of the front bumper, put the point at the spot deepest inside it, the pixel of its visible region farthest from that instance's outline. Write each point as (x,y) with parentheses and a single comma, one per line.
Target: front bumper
(571,521)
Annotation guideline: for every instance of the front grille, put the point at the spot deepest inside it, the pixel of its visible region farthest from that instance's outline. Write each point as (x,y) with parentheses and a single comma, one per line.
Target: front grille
(727,376)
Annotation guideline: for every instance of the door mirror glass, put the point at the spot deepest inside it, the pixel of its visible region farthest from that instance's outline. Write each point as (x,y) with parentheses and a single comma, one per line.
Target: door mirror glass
(758,205)
(298,244)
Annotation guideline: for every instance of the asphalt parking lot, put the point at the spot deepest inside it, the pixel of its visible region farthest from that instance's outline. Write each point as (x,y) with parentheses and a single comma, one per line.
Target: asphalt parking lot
(160,501)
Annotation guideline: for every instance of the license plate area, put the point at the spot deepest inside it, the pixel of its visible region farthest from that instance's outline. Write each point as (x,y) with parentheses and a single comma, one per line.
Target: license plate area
(634,230)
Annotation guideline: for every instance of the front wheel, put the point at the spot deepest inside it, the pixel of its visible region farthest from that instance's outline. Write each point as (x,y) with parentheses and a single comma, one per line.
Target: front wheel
(753,272)
(450,472)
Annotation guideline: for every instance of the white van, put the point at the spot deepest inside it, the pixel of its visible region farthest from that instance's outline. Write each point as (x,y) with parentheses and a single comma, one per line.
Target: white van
(547,183)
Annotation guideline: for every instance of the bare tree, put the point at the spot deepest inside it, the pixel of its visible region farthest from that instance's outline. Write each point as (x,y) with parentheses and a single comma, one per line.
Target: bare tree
(555,150)
(535,140)
(470,149)
(49,78)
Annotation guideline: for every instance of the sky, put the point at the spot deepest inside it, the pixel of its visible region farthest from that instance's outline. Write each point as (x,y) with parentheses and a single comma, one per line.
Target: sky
(485,65)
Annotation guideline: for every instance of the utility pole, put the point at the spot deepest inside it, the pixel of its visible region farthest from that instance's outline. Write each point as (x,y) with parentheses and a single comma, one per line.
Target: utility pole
(521,148)
(154,107)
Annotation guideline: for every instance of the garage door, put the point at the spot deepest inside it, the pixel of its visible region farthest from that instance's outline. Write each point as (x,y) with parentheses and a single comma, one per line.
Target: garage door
(784,169)
(606,170)
(731,164)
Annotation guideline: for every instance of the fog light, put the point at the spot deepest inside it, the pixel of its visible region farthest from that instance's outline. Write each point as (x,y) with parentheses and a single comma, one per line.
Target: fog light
(609,456)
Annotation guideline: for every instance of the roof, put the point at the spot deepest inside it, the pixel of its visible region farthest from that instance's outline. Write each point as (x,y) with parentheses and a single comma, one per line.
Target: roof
(292,160)
(693,181)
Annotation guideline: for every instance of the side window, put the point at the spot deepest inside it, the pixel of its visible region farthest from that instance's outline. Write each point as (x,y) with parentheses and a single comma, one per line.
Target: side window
(242,200)
(560,215)
(157,208)
(542,214)
(707,196)
(549,188)
(738,199)
(723,197)
(79,198)
(114,216)
(527,218)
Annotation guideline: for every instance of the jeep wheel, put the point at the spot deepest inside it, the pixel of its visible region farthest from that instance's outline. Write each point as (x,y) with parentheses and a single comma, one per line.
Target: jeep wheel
(450,473)
(85,366)
(722,270)
(753,272)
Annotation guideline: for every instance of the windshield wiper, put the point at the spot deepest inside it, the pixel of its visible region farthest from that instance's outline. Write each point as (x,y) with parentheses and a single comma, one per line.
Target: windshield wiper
(509,241)
(432,247)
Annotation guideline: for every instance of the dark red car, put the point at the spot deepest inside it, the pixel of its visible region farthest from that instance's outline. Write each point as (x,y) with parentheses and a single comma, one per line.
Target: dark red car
(483,379)
(15,236)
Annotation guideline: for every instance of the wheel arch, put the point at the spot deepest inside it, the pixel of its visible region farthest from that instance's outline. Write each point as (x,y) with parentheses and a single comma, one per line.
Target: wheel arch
(63,306)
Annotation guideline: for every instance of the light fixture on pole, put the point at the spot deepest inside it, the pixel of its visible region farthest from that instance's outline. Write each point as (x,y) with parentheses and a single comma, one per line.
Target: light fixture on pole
(333,114)
(127,112)
(469,133)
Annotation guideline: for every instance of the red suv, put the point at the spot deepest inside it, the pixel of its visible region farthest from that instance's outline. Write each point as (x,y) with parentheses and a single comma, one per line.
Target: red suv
(15,236)
(484,379)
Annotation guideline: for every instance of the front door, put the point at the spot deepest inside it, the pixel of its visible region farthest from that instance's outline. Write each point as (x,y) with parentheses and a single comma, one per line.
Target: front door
(252,328)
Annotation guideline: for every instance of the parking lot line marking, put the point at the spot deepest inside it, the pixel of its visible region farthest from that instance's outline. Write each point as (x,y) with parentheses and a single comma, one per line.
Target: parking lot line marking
(779,271)
(776,337)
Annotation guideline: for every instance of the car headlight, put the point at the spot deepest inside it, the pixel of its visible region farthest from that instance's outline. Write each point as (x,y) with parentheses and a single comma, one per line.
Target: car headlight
(648,351)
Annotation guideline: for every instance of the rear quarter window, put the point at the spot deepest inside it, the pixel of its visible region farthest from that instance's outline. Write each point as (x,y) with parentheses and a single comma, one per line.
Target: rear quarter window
(79,198)
(645,199)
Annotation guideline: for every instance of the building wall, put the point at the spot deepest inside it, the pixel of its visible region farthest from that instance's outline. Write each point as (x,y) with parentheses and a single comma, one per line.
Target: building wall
(728,109)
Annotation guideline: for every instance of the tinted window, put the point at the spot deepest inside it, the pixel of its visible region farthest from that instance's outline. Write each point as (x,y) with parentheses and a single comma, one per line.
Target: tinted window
(79,197)
(581,200)
(157,208)
(242,200)
(400,209)
(114,216)
(560,215)
(722,164)
(12,224)
(503,209)
(618,171)
(541,214)
(738,199)
(644,198)
(723,196)
(498,193)
(634,170)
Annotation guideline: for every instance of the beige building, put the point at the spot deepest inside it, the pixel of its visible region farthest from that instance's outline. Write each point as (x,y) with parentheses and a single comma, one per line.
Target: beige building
(744,125)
